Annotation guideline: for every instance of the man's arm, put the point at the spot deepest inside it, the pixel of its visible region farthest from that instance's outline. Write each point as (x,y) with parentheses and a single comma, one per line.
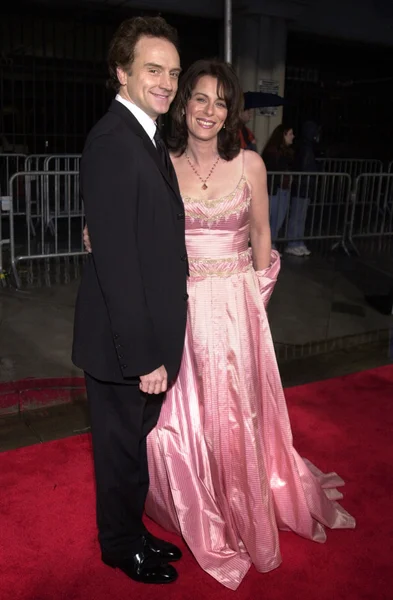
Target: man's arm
(109,183)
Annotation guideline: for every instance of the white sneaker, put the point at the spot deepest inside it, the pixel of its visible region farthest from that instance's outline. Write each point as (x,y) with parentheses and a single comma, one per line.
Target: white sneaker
(295,250)
(306,251)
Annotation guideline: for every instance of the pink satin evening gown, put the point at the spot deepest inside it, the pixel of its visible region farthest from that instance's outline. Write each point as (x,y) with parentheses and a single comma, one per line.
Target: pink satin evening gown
(224,473)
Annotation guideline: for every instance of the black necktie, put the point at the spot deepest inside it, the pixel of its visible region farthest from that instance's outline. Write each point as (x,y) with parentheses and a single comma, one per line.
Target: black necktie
(163,152)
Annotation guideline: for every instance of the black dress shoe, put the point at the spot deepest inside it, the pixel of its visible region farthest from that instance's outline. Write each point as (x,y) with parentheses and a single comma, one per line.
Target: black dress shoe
(162,549)
(143,566)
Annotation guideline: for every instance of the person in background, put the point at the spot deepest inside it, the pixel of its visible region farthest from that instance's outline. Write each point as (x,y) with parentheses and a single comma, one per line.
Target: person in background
(278,156)
(304,161)
(247,138)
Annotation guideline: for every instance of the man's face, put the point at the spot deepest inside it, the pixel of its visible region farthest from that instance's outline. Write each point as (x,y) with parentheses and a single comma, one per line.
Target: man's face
(151,82)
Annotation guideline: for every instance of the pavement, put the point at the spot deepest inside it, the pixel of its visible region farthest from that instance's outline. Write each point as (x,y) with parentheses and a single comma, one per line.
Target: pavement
(316,300)
(321,326)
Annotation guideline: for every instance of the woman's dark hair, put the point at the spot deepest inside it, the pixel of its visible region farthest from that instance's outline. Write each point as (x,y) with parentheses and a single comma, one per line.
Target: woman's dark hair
(228,87)
(276,141)
(122,47)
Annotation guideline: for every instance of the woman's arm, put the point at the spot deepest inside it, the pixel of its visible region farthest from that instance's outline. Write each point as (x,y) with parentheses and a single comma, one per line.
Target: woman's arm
(255,172)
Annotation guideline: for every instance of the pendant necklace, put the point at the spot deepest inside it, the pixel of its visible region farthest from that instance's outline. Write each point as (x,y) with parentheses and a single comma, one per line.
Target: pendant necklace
(204,186)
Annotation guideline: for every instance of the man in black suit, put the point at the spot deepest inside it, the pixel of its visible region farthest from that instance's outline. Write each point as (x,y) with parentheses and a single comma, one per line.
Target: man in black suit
(131,309)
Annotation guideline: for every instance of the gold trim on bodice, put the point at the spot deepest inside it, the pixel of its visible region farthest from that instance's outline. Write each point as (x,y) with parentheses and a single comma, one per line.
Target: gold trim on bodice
(225,266)
(215,201)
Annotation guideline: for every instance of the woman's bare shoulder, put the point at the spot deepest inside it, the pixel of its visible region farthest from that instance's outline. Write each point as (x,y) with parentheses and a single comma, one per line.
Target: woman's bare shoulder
(253,163)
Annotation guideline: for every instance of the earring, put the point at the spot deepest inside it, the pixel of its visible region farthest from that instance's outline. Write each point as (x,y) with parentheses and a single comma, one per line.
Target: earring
(223,126)
(183,112)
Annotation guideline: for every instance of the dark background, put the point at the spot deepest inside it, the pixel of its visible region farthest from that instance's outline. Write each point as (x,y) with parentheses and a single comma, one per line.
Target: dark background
(347,87)
(53,72)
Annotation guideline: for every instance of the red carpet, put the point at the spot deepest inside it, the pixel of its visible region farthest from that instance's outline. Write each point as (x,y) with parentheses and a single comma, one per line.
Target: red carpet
(47,532)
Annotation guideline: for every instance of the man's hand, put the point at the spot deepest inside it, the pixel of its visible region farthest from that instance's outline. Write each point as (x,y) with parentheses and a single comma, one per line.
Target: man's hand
(155,382)
(86,240)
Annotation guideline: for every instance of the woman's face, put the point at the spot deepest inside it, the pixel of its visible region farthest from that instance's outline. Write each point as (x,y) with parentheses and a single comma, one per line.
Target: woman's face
(206,110)
(246,115)
(289,136)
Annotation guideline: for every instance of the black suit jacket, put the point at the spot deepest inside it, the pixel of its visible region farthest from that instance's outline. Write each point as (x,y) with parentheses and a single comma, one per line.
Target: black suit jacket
(131,308)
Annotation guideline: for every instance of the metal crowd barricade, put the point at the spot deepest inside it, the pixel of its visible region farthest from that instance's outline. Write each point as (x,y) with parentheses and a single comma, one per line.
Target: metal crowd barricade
(309,206)
(5,206)
(372,208)
(352,166)
(390,167)
(25,199)
(10,164)
(27,202)
(65,237)
(61,205)
(35,162)
(62,162)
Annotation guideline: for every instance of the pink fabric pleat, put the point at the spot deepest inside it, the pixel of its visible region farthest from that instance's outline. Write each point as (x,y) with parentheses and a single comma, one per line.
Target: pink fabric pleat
(223,470)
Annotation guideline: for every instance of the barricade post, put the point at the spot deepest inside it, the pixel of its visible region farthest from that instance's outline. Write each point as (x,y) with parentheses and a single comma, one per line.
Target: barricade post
(58,190)
(309,206)
(372,208)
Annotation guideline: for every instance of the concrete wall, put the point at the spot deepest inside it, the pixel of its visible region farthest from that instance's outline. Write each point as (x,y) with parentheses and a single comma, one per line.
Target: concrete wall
(260,53)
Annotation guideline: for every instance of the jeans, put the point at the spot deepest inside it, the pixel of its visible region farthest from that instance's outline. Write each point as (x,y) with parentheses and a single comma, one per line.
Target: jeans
(278,208)
(297,221)
(279,204)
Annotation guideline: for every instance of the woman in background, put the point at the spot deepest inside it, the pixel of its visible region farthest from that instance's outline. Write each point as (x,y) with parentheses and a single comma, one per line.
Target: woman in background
(279,157)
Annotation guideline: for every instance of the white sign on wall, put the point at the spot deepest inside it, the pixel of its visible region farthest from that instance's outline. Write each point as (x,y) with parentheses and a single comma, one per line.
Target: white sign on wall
(269,86)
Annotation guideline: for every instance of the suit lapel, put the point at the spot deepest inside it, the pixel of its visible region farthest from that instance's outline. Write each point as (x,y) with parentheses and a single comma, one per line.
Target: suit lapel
(172,181)
(136,127)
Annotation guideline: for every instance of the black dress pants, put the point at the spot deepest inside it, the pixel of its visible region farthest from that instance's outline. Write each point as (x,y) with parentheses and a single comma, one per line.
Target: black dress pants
(121,418)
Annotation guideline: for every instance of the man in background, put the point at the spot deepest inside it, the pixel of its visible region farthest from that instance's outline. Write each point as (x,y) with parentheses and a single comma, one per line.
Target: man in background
(247,138)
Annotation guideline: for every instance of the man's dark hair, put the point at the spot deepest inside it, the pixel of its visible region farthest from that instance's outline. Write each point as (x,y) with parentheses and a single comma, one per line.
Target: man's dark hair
(122,47)
(228,87)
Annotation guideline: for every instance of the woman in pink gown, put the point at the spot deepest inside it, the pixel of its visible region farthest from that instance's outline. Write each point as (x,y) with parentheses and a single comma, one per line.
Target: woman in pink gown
(224,473)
